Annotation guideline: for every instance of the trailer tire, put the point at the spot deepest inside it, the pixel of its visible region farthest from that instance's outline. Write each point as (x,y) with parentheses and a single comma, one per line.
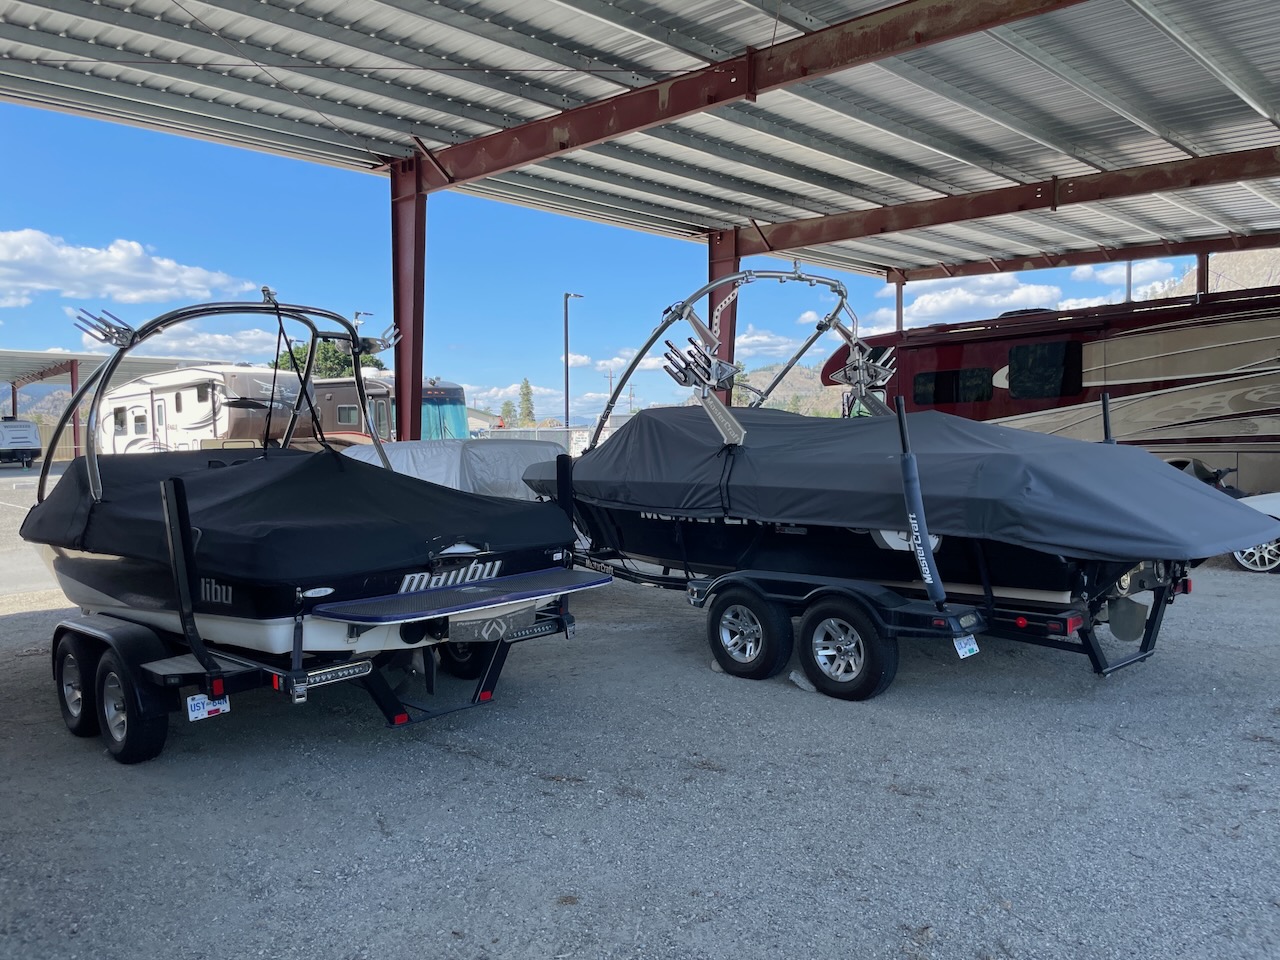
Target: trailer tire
(75,663)
(130,737)
(842,652)
(467,661)
(750,636)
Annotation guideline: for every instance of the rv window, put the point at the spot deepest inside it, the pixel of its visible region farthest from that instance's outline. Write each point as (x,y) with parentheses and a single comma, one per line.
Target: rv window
(1042,371)
(177,401)
(348,414)
(970,385)
(202,393)
(118,420)
(139,424)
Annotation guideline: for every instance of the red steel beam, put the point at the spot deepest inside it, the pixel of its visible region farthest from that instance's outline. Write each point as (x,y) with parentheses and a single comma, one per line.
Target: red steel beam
(723,260)
(876,36)
(1257,164)
(45,373)
(1077,258)
(408,269)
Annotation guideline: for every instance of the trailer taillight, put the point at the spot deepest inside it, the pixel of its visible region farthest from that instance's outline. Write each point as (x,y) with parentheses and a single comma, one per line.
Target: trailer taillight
(1020,622)
(486,695)
(218,689)
(400,719)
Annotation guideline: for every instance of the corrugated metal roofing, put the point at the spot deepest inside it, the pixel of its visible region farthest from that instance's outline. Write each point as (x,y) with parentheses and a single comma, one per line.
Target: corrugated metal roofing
(1104,85)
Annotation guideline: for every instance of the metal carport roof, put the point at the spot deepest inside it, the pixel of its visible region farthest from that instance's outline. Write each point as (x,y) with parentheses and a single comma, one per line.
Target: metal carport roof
(1071,129)
(924,139)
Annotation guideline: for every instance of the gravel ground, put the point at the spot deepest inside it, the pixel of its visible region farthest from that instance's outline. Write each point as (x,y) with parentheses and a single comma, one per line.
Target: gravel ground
(619,799)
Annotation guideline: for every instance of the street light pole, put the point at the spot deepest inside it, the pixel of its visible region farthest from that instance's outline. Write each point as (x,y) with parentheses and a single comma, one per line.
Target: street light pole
(567,298)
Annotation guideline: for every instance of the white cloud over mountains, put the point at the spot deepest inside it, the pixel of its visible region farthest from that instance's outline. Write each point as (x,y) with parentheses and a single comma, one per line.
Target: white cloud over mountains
(32,262)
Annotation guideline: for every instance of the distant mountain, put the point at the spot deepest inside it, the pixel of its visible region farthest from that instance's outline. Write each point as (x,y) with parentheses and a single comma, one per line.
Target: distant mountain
(801,390)
(1230,271)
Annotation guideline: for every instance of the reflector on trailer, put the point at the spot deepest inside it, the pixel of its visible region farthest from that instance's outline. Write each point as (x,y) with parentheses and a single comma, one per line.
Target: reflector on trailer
(218,688)
(1020,622)
(486,695)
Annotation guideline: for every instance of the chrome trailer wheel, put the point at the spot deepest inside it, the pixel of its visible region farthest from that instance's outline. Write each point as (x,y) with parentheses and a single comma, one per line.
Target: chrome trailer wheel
(74,664)
(842,652)
(130,738)
(750,636)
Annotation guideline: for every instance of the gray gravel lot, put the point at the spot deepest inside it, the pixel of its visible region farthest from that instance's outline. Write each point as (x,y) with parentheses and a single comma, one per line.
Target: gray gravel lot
(621,799)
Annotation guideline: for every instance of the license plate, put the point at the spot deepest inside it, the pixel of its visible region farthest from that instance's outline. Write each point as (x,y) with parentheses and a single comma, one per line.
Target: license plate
(200,707)
(966,646)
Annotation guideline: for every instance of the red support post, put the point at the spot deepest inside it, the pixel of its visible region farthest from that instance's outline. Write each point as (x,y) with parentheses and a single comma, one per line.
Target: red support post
(408,269)
(722,260)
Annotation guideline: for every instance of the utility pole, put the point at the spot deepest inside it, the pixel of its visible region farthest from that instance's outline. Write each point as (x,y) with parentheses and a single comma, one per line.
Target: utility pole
(567,298)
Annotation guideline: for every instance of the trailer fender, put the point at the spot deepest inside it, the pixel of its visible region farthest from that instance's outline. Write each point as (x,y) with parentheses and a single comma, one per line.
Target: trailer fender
(702,591)
(135,644)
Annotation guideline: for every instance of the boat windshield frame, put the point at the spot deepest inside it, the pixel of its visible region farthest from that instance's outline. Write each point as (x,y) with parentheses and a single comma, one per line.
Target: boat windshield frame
(115,332)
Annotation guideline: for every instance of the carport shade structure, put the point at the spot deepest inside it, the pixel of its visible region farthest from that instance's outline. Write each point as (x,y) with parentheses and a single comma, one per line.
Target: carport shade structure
(926,139)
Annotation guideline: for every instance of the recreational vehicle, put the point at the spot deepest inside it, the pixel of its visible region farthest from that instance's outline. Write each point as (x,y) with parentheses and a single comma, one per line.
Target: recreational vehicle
(194,407)
(444,410)
(1195,380)
(338,408)
(19,441)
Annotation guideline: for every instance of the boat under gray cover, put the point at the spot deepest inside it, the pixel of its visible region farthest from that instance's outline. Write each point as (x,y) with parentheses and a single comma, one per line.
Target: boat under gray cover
(1051,494)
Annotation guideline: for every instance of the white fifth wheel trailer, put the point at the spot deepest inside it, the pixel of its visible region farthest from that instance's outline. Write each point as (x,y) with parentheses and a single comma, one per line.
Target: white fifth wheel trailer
(189,408)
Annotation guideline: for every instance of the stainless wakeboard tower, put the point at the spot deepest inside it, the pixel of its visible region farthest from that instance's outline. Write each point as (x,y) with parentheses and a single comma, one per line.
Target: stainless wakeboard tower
(698,367)
(110,330)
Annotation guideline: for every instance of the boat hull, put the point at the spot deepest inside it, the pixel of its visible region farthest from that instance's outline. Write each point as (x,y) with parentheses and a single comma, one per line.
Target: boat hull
(715,546)
(261,617)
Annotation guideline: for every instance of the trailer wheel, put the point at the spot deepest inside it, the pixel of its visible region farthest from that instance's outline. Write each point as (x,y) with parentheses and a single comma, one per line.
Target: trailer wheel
(465,660)
(130,738)
(74,663)
(750,636)
(842,652)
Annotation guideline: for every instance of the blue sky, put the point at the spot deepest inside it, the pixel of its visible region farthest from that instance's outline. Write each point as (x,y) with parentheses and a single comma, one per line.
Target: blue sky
(106,216)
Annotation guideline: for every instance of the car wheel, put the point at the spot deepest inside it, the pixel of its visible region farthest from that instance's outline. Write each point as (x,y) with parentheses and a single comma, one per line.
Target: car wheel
(1263,558)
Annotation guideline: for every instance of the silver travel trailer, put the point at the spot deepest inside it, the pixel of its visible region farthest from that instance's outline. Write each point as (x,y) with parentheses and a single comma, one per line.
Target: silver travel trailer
(19,441)
(188,409)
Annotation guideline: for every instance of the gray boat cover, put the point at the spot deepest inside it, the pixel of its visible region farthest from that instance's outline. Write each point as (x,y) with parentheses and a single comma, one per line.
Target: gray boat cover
(1056,495)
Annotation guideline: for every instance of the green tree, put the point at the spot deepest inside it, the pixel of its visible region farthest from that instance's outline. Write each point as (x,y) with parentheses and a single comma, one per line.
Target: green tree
(330,361)
(508,413)
(527,416)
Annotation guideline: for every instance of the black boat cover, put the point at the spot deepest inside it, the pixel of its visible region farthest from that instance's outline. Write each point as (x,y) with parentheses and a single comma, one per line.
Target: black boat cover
(1052,494)
(283,517)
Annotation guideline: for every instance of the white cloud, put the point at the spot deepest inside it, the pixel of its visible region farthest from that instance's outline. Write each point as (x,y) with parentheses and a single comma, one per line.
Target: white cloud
(32,262)
(1081,303)
(1144,272)
(577,360)
(764,343)
(809,318)
(256,346)
(953,301)
(619,363)
(494,396)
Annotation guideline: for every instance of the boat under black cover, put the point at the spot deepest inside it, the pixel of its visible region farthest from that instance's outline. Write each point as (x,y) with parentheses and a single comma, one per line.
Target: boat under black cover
(1015,516)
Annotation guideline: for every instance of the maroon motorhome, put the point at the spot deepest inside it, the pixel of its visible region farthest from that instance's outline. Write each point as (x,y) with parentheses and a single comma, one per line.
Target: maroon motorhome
(1196,380)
